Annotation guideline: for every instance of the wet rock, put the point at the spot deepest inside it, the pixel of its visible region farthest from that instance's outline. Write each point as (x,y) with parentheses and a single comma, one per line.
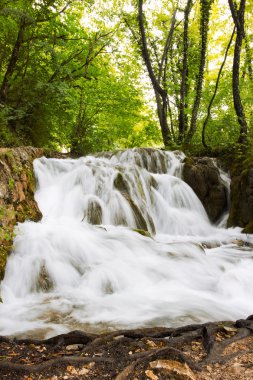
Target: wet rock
(241,198)
(121,184)
(139,218)
(203,177)
(153,182)
(44,281)
(94,212)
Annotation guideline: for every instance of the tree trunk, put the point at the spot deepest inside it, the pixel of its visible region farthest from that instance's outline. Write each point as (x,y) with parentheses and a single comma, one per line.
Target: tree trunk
(160,93)
(238,17)
(215,90)
(248,58)
(182,120)
(204,22)
(12,63)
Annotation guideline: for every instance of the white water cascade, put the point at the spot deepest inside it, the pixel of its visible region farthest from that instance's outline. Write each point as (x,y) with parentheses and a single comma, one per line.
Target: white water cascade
(89,264)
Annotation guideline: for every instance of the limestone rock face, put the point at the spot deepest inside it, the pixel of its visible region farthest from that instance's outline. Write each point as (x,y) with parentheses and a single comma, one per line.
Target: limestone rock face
(241,211)
(17,186)
(203,177)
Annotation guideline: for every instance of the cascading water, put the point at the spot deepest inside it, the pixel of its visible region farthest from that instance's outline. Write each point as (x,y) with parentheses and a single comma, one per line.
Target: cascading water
(123,242)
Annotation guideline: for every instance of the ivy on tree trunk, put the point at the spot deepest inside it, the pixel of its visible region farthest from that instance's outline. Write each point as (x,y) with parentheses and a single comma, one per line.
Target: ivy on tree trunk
(238,17)
(204,24)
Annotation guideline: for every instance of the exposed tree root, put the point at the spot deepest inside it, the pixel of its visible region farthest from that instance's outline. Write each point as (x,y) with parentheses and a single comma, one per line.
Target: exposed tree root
(190,351)
(64,360)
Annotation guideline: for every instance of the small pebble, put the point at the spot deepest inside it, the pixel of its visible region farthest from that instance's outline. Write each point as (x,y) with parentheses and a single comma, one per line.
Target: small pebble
(74,347)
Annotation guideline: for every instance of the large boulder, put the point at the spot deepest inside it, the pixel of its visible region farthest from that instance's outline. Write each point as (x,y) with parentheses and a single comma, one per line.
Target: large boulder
(202,175)
(241,210)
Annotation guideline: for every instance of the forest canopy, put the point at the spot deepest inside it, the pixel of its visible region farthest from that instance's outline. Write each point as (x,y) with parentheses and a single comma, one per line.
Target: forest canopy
(98,75)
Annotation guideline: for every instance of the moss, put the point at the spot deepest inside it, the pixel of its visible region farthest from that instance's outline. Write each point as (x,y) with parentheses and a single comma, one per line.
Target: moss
(3,260)
(12,162)
(31,183)
(11,183)
(16,167)
(7,216)
(28,211)
(8,155)
(6,238)
(2,212)
(142,232)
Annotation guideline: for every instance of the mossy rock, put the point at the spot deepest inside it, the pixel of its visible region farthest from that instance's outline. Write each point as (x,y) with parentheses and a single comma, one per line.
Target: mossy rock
(4,252)
(142,232)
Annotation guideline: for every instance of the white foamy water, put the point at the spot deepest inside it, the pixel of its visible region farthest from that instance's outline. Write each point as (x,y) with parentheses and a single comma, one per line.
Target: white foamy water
(66,273)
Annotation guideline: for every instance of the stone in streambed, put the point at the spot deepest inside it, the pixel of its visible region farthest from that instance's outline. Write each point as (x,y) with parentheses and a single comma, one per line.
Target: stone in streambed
(74,347)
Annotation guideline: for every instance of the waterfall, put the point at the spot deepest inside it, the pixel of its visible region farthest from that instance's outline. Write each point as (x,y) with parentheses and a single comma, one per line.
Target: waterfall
(124,242)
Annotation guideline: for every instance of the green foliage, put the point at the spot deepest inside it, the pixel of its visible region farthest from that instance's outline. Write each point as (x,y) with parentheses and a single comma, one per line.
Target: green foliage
(71,74)
(64,88)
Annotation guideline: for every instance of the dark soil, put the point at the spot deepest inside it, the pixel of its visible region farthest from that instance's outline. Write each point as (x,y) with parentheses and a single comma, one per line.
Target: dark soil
(210,351)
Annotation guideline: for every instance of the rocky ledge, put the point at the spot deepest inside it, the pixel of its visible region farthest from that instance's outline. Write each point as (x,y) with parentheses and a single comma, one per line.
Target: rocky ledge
(211,351)
(17,186)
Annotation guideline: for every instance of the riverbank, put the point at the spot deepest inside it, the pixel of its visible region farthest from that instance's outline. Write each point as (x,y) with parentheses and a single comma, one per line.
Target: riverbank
(211,351)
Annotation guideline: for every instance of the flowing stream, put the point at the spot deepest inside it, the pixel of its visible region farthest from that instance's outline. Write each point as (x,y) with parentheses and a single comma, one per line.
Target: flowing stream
(124,242)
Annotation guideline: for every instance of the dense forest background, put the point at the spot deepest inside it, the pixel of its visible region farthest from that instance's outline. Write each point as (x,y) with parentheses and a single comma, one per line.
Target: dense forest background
(86,76)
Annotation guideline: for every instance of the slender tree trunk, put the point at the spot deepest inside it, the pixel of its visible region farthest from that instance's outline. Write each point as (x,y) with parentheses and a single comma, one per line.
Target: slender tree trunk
(162,64)
(215,90)
(238,17)
(160,93)
(12,63)
(77,135)
(248,58)
(182,121)
(204,22)
(175,81)
(162,108)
